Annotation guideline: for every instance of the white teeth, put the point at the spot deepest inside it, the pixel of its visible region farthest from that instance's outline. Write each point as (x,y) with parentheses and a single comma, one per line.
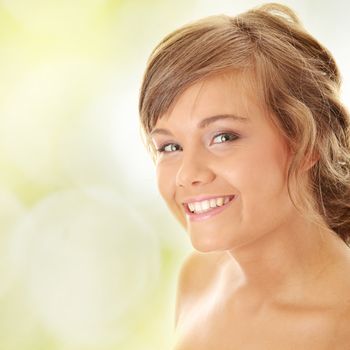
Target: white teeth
(191,206)
(197,207)
(219,202)
(206,205)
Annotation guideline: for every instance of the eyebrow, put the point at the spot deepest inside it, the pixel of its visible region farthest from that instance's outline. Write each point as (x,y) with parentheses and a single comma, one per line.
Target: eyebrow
(204,123)
(207,121)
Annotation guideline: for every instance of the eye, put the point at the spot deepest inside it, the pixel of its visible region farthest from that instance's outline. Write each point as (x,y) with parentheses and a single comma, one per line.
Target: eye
(224,137)
(169,148)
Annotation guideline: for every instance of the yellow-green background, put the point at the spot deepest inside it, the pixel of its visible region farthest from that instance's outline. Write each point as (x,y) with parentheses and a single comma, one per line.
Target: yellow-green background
(88,252)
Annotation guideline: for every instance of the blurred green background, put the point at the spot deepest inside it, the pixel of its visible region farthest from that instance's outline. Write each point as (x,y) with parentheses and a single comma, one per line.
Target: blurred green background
(89,255)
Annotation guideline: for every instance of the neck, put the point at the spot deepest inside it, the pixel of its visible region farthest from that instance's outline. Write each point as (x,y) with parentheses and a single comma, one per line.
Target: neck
(288,260)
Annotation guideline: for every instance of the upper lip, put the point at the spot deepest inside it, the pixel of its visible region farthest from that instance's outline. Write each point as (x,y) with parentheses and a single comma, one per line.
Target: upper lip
(205,197)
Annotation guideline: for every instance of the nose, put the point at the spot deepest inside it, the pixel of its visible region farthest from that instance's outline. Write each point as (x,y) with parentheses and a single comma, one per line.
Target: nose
(193,171)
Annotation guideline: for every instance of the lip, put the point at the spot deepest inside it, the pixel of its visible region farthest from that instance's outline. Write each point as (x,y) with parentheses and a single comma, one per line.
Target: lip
(208,214)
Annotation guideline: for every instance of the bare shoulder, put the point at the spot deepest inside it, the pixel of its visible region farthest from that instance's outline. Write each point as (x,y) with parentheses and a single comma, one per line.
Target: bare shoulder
(340,286)
(196,274)
(197,269)
(342,328)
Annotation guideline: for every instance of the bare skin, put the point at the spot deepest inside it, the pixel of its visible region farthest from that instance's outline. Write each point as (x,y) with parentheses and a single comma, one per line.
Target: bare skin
(218,309)
(267,277)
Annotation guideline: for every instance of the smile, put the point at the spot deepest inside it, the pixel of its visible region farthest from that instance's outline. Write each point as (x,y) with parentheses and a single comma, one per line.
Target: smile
(207,206)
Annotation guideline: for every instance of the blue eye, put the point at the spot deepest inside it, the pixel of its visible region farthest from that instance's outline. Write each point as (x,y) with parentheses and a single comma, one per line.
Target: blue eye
(169,148)
(225,137)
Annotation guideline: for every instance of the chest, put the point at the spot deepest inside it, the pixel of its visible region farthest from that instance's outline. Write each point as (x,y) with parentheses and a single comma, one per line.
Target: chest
(203,327)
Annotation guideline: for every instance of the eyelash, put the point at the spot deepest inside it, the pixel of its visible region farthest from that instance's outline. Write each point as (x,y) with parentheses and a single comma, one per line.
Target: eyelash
(231,137)
(162,148)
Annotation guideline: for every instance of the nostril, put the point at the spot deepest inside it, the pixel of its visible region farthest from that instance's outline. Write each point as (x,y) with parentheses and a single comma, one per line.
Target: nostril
(194,173)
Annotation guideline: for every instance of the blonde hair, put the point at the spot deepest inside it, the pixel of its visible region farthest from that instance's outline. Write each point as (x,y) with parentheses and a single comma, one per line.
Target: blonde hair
(299,82)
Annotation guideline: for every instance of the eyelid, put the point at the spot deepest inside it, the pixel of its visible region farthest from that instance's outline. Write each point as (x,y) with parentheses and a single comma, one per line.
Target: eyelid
(233,134)
(161,148)
(161,144)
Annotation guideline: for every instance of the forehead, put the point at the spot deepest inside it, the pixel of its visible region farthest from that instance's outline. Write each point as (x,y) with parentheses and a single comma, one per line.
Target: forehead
(226,93)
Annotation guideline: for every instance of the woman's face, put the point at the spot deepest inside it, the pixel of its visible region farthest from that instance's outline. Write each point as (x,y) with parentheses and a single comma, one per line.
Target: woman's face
(222,165)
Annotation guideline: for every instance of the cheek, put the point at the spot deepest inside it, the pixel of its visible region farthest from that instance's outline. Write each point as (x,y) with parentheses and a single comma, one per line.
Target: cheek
(258,173)
(164,182)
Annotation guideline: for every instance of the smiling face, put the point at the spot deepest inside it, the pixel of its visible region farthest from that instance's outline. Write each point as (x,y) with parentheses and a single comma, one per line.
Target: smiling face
(222,165)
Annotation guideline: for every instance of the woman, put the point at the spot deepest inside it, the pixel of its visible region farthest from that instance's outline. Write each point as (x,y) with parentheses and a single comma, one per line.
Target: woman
(252,150)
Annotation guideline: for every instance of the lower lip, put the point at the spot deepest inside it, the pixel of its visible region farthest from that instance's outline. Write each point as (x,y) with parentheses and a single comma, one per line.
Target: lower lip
(208,214)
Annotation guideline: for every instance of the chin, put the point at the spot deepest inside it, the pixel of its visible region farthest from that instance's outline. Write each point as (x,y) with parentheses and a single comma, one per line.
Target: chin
(207,245)
(205,241)
(203,248)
